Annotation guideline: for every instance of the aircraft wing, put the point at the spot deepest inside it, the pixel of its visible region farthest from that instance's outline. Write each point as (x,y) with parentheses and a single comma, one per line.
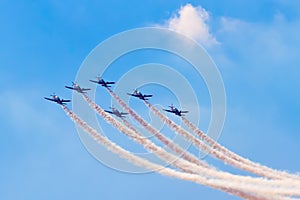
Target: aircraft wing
(65,100)
(85,89)
(94,81)
(184,111)
(171,111)
(134,95)
(110,82)
(49,99)
(108,111)
(69,87)
(123,113)
(148,95)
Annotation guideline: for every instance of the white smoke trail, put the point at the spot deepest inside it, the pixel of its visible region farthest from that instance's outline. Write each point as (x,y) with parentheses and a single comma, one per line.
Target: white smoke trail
(150,146)
(290,190)
(180,163)
(157,134)
(259,169)
(132,133)
(218,154)
(226,186)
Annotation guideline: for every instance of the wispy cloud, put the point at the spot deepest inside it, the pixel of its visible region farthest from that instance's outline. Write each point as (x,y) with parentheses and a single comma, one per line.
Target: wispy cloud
(262,59)
(261,46)
(192,22)
(25,111)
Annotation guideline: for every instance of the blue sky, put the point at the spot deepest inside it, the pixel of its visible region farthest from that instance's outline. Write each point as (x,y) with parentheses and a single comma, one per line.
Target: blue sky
(44,43)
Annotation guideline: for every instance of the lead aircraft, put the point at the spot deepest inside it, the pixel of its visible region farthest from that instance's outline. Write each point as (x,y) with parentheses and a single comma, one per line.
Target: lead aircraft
(57,100)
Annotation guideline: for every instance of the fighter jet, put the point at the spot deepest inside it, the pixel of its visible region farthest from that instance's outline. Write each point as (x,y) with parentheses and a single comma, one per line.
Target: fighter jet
(100,81)
(114,111)
(56,99)
(139,95)
(175,111)
(77,88)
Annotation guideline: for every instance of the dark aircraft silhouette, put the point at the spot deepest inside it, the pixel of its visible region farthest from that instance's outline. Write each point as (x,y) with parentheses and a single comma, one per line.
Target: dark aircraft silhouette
(100,81)
(77,88)
(114,111)
(56,99)
(139,95)
(175,111)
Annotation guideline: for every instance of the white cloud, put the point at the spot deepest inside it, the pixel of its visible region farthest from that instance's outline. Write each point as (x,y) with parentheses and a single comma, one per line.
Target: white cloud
(192,22)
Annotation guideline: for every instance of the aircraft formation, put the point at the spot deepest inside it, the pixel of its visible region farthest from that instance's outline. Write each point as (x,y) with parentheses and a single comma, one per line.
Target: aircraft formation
(188,167)
(114,111)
